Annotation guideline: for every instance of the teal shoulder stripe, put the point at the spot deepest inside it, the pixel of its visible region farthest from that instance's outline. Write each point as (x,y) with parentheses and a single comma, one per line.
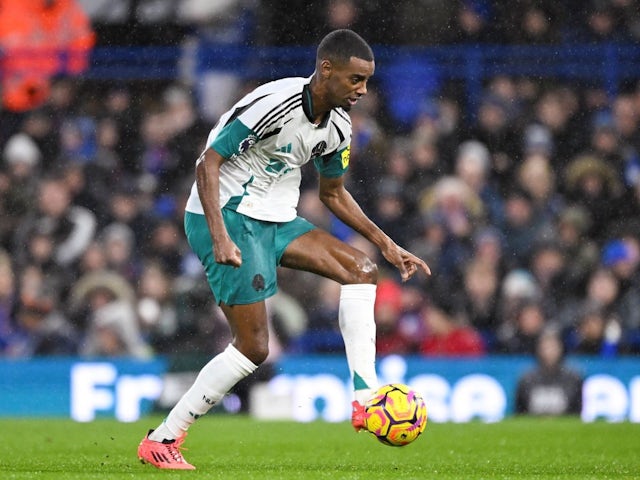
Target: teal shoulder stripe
(333,164)
(234,139)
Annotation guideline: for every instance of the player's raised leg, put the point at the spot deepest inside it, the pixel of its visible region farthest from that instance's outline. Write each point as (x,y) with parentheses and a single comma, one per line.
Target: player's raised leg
(318,252)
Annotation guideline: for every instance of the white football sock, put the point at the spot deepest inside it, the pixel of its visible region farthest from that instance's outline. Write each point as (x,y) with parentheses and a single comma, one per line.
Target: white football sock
(214,380)
(358,329)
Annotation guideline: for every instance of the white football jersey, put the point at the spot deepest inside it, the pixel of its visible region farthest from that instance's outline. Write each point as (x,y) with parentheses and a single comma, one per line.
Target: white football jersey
(266,138)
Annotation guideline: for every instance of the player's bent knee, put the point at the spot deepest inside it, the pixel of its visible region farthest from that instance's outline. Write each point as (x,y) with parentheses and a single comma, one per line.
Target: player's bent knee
(254,352)
(366,271)
(258,355)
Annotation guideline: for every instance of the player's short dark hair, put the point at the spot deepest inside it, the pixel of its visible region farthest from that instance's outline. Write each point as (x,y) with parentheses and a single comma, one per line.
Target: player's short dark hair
(340,45)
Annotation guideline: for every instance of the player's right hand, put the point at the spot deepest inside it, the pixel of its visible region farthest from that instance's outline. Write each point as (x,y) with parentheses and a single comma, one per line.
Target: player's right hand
(226,252)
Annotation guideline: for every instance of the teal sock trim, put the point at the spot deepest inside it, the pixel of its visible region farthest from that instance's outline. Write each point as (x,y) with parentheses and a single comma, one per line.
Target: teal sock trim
(358,382)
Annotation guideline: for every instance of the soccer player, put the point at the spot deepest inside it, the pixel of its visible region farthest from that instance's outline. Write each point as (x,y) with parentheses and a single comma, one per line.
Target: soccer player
(241,221)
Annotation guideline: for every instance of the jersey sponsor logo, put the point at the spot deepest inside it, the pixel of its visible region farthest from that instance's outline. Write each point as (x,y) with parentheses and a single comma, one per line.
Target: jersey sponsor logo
(285,149)
(346,154)
(247,143)
(318,149)
(277,167)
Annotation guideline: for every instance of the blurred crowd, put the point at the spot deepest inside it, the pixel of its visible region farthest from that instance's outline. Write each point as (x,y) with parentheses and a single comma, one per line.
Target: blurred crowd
(528,213)
(407,22)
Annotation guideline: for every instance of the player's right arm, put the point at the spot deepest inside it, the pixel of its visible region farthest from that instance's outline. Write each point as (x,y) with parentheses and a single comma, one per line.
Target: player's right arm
(225,251)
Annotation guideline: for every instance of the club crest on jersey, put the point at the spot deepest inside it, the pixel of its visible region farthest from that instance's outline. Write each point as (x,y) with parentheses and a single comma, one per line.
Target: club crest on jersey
(318,149)
(258,283)
(246,144)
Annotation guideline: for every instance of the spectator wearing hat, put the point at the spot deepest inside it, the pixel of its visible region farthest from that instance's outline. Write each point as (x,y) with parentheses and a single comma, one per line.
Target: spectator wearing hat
(18,182)
(537,139)
(582,252)
(112,328)
(118,244)
(22,154)
(594,184)
(102,305)
(459,210)
(473,166)
(537,177)
(518,287)
(622,257)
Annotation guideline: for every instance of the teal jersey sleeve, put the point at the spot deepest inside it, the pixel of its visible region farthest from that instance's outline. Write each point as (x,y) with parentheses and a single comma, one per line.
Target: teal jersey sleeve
(334,164)
(234,139)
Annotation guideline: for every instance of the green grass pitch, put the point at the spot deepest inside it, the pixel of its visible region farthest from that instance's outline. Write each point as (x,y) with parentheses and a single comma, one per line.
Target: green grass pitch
(238,447)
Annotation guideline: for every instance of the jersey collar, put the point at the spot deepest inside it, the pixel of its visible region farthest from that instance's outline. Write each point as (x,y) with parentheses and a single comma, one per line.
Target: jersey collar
(307,107)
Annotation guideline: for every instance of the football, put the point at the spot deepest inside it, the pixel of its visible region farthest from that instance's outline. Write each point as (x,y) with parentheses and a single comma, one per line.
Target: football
(396,414)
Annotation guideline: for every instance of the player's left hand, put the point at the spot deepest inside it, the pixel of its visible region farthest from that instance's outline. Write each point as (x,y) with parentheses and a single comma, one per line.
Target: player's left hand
(406,262)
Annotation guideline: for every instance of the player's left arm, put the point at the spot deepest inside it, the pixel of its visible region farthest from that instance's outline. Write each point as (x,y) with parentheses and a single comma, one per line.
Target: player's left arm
(336,198)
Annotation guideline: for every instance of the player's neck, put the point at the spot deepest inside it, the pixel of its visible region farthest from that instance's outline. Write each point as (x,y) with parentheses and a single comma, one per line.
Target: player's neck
(319,105)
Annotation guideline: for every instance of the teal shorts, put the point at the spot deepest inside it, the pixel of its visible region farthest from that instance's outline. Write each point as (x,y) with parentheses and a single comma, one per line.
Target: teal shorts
(262,245)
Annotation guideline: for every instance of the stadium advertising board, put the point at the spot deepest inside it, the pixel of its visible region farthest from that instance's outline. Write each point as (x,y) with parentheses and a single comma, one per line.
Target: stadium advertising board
(308,388)
(124,389)
(460,390)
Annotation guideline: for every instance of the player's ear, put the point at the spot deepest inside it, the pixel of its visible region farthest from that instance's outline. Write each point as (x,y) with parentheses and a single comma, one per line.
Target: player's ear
(326,68)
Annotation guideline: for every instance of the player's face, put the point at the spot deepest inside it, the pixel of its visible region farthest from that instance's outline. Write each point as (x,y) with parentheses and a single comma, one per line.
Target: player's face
(348,82)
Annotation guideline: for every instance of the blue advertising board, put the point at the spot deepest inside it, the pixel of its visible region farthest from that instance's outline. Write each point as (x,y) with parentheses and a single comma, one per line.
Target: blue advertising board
(80,389)
(455,390)
(307,388)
